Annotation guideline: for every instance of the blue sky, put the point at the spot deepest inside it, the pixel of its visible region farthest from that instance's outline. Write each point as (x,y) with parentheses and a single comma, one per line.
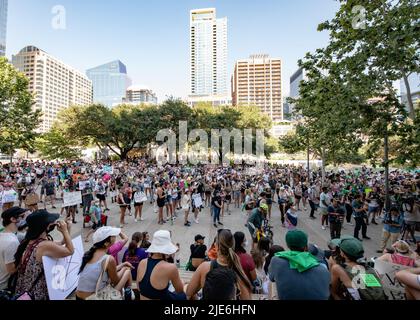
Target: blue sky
(152,36)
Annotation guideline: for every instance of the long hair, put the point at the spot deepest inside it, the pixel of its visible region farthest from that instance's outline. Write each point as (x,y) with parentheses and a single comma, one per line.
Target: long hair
(24,244)
(135,241)
(226,244)
(239,239)
(89,254)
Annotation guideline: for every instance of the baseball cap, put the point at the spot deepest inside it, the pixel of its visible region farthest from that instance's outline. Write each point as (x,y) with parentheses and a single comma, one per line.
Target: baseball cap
(350,246)
(199,237)
(12,213)
(296,239)
(264,206)
(103,233)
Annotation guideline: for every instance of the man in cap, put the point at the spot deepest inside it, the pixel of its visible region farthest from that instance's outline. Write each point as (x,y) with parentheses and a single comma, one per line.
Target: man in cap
(298,275)
(12,219)
(353,280)
(256,219)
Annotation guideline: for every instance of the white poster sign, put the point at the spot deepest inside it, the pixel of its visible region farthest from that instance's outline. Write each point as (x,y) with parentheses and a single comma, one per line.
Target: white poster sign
(72,198)
(9,196)
(198,202)
(62,275)
(393,288)
(140,197)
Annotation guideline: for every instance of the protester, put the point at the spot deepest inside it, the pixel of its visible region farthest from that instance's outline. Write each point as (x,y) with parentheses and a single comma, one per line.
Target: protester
(336,217)
(296,273)
(226,259)
(246,260)
(99,268)
(9,242)
(393,222)
(198,253)
(402,255)
(155,274)
(411,280)
(134,254)
(37,244)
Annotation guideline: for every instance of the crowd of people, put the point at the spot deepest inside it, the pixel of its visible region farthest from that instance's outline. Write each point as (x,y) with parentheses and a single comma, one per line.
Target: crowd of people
(227,270)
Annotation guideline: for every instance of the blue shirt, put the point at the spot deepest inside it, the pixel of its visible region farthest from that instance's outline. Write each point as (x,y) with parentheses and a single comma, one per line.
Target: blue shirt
(396,220)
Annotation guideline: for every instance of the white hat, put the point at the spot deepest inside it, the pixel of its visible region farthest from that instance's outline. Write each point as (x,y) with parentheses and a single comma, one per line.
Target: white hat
(161,243)
(102,233)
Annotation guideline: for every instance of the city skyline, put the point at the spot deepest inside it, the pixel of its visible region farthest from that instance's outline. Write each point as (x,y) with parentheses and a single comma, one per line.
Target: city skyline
(3,26)
(275,27)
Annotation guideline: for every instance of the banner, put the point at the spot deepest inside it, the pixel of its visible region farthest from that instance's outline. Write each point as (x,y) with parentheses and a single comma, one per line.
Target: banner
(107,169)
(62,275)
(393,288)
(72,198)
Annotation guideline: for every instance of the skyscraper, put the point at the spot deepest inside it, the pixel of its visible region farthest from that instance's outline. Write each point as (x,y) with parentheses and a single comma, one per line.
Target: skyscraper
(3,26)
(257,81)
(140,95)
(110,82)
(295,80)
(56,85)
(208,46)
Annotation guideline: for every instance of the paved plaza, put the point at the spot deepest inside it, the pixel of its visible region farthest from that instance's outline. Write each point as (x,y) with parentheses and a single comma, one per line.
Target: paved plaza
(235,222)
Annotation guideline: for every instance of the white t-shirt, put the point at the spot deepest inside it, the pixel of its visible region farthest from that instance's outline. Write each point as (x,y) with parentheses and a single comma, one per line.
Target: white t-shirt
(323,197)
(8,246)
(185,202)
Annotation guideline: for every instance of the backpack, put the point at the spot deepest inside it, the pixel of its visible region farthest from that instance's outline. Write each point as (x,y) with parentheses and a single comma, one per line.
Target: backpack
(372,290)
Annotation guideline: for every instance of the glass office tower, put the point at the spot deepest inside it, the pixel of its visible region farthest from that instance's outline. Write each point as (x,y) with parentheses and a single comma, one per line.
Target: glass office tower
(110,82)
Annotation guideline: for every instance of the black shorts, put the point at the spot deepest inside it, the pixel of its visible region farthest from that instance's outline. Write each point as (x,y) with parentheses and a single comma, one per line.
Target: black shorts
(228,197)
(100,197)
(208,193)
(298,197)
(161,203)
(138,204)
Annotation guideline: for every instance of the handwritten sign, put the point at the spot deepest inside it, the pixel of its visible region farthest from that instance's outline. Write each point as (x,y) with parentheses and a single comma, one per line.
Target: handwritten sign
(72,198)
(198,202)
(9,196)
(393,288)
(140,197)
(62,275)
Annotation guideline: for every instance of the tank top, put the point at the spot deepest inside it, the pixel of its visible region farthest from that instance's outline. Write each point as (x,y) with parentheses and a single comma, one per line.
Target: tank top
(145,285)
(90,275)
(402,260)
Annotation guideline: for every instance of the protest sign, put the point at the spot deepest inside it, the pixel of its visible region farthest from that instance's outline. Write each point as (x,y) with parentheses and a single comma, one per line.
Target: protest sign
(62,275)
(198,202)
(9,196)
(72,198)
(140,197)
(393,288)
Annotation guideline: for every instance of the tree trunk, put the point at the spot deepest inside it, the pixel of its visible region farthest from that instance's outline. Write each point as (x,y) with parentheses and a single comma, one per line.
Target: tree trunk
(386,164)
(409,98)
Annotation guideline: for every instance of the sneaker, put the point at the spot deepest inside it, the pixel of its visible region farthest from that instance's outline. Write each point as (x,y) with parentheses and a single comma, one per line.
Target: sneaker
(130,214)
(323,228)
(221,224)
(367,238)
(313,218)
(187,224)
(135,220)
(141,219)
(215,225)
(196,221)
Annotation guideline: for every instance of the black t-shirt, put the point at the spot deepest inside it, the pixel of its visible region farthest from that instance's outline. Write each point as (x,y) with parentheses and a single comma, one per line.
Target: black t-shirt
(216,199)
(198,251)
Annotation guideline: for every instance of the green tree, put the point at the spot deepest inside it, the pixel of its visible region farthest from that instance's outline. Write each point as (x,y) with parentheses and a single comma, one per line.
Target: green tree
(54,145)
(18,121)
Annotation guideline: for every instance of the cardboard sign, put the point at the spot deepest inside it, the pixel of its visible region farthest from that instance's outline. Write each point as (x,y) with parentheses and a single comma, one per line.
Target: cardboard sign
(393,288)
(198,202)
(140,197)
(84,184)
(9,196)
(72,198)
(62,275)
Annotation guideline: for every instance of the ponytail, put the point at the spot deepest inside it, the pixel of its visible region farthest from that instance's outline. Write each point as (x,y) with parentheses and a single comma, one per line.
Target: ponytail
(89,254)
(20,250)
(132,248)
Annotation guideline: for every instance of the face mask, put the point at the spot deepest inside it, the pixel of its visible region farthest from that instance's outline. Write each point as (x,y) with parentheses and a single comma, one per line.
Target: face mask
(245,244)
(20,223)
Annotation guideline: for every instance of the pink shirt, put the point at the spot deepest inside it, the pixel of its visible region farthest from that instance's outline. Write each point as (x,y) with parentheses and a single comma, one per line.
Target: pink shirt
(115,248)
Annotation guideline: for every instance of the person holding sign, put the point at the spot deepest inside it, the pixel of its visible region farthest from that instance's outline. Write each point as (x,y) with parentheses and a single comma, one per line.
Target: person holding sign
(8,196)
(31,282)
(139,199)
